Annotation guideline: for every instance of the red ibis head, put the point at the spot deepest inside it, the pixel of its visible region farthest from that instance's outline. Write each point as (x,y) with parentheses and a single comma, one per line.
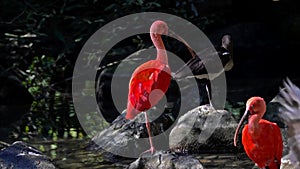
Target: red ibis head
(255,109)
(159,27)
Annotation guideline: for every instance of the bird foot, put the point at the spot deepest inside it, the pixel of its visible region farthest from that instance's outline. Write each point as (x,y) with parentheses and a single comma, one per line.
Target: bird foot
(151,150)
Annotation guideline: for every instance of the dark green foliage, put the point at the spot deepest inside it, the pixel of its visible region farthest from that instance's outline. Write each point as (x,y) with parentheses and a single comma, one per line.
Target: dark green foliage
(40,42)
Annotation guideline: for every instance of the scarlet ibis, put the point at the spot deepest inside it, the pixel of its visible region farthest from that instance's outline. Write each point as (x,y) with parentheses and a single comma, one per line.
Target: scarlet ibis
(150,81)
(290,113)
(261,139)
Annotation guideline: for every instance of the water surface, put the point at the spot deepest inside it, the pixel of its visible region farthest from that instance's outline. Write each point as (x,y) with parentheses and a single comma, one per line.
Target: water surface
(71,154)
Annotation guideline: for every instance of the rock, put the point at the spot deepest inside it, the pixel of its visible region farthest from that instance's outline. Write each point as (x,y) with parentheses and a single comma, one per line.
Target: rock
(20,155)
(166,160)
(129,138)
(204,129)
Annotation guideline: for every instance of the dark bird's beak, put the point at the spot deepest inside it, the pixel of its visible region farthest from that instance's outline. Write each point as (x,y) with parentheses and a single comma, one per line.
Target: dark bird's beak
(240,125)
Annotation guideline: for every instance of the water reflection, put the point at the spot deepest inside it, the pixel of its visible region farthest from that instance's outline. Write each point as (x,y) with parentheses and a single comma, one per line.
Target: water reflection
(71,153)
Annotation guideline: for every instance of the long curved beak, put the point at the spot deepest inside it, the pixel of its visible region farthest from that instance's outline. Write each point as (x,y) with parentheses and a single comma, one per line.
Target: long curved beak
(240,125)
(173,34)
(193,53)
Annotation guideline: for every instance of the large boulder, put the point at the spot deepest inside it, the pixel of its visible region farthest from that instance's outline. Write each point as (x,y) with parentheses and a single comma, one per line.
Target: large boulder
(204,129)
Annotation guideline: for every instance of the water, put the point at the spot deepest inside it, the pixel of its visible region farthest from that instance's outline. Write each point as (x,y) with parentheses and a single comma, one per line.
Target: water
(71,154)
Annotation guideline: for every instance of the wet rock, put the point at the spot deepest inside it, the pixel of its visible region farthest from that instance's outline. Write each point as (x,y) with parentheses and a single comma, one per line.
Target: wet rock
(20,155)
(166,160)
(204,129)
(129,138)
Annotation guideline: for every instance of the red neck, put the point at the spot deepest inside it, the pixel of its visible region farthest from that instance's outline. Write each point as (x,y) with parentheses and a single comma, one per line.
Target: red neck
(160,47)
(253,124)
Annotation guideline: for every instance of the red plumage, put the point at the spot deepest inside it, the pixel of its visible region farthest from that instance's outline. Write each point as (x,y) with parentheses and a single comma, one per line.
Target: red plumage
(150,76)
(265,149)
(261,139)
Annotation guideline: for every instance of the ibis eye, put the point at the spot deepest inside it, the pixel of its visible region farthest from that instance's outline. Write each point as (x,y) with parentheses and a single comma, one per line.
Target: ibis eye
(251,109)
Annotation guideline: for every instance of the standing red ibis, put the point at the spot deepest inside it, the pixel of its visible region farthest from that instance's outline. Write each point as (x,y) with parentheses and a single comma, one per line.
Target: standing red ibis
(150,81)
(261,139)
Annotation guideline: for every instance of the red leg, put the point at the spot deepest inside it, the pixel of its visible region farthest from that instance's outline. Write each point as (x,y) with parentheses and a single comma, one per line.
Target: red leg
(152,149)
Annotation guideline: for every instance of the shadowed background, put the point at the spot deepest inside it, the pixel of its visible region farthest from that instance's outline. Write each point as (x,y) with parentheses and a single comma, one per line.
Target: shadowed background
(40,42)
